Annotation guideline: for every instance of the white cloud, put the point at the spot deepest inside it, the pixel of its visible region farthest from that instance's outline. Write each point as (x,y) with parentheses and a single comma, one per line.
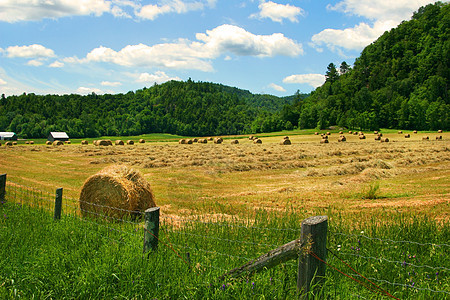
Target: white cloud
(384,14)
(2,82)
(89,90)
(28,10)
(158,77)
(32,51)
(277,12)
(56,64)
(277,87)
(109,83)
(314,80)
(184,54)
(35,63)
(152,11)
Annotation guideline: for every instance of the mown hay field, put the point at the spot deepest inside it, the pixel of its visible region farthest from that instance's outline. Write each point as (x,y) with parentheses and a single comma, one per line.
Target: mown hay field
(352,178)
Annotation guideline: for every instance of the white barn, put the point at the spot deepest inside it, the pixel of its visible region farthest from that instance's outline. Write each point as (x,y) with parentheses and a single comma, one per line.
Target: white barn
(58,136)
(11,136)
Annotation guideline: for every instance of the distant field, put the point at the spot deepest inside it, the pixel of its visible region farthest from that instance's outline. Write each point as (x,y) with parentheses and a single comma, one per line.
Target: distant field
(405,174)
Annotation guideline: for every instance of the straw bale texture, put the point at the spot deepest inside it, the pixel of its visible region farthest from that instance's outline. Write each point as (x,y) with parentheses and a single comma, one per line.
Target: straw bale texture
(116,191)
(130,142)
(119,143)
(142,141)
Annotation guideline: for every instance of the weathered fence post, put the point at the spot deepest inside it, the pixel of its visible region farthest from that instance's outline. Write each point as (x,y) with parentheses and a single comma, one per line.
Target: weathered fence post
(2,187)
(151,229)
(58,204)
(311,271)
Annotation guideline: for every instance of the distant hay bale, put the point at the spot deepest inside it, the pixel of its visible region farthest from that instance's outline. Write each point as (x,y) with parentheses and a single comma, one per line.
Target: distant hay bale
(340,132)
(286,138)
(182,141)
(8,143)
(377,138)
(384,140)
(31,142)
(285,141)
(103,143)
(234,142)
(119,143)
(324,141)
(316,133)
(355,133)
(189,141)
(425,138)
(440,131)
(130,142)
(380,134)
(58,143)
(350,132)
(257,141)
(375,132)
(325,137)
(203,141)
(27,142)
(84,142)
(400,132)
(342,139)
(14,143)
(116,191)
(328,133)
(362,137)
(439,137)
(67,142)
(415,131)
(195,140)
(361,133)
(407,136)
(48,143)
(218,140)
(141,141)
(251,137)
(210,139)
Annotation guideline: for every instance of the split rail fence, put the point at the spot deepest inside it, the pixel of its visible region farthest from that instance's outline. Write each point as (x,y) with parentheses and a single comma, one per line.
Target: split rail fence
(310,244)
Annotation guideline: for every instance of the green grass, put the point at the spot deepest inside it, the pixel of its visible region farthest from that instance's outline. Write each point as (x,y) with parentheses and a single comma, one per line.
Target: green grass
(77,259)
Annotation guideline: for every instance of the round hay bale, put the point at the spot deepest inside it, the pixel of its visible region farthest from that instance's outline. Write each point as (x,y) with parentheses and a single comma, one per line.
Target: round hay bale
(210,139)
(67,142)
(257,141)
(362,137)
(415,131)
(251,137)
(130,142)
(426,138)
(31,142)
(195,140)
(400,132)
(355,133)
(286,138)
(328,133)
(234,142)
(380,134)
(103,143)
(378,138)
(324,141)
(8,143)
(203,141)
(439,137)
(84,142)
(14,143)
(58,143)
(316,133)
(27,142)
(340,132)
(141,141)
(325,137)
(116,191)
(119,143)
(285,141)
(48,143)
(189,141)
(94,142)
(384,140)
(350,132)
(440,131)
(375,132)
(218,140)
(407,136)
(182,141)
(342,139)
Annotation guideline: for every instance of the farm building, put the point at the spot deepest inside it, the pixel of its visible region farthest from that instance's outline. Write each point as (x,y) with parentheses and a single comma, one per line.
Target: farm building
(11,136)
(58,136)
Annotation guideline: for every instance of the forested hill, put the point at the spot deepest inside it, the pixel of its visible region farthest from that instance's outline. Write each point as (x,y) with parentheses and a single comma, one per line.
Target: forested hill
(399,81)
(185,108)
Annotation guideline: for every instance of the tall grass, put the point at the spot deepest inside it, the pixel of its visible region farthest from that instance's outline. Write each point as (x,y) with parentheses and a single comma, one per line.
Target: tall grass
(75,258)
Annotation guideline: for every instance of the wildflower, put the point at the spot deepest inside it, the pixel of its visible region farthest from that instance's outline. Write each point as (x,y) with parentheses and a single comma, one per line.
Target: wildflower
(253,285)
(223,287)
(404,263)
(362,232)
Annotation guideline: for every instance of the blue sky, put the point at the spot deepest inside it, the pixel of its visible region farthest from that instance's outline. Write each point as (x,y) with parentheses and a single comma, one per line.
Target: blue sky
(115,46)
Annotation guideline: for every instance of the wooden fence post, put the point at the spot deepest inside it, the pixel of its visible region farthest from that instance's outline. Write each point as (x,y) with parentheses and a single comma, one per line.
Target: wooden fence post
(311,271)
(151,229)
(58,204)
(2,187)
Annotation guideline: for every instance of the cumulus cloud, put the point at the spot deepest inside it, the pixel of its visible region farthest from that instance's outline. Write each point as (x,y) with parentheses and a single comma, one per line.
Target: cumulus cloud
(89,90)
(2,82)
(277,87)
(56,64)
(35,63)
(314,80)
(109,83)
(30,10)
(152,11)
(384,14)
(32,51)
(184,54)
(158,77)
(277,12)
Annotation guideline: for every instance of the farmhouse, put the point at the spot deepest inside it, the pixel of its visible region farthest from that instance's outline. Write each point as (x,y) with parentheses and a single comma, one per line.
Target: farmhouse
(11,136)
(58,136)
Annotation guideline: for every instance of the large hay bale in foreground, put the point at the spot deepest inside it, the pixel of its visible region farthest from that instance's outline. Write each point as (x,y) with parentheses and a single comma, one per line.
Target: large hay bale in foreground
(116,191)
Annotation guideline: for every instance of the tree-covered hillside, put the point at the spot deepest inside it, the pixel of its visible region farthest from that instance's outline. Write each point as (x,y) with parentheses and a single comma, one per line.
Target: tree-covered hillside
(399,81)
(185,108)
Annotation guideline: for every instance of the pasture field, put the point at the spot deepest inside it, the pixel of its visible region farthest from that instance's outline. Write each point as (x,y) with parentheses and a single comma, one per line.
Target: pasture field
(224,204)
(404,174)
